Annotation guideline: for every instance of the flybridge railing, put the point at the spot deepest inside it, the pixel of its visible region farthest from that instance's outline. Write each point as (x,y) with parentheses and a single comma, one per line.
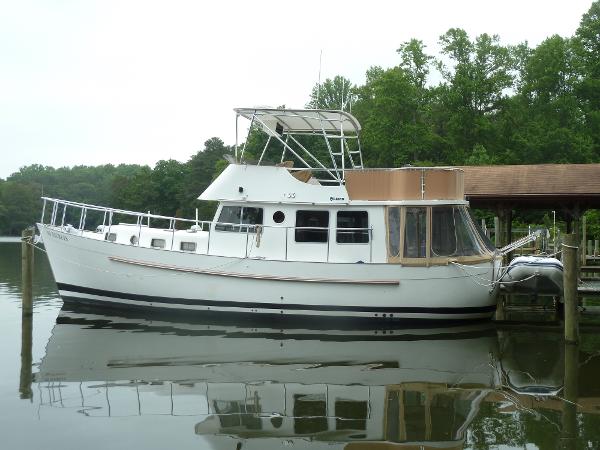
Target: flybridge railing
(58,217)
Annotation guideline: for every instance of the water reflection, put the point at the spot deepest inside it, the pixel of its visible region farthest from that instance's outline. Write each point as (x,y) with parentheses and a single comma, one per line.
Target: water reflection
(267,386)
(245,385)
(44,287)
(448,387)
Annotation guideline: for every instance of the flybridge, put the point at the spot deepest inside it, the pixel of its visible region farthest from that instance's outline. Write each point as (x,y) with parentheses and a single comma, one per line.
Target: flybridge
(287,131)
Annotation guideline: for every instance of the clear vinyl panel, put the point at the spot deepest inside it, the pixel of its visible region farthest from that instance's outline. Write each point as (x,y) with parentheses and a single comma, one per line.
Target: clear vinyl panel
(453,233)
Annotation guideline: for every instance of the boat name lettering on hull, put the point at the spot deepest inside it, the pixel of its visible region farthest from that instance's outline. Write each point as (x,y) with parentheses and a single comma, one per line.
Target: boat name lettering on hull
(335,199)
(58,235)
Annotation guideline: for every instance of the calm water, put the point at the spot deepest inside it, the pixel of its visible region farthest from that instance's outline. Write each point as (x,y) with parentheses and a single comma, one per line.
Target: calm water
(96,380)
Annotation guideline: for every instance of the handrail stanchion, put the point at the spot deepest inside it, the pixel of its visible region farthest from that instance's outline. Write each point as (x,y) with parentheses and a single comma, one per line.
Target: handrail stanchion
(104,220)
(43,212)
(140,219)
(51,223)
(80,219)
(247,231)
(173,233)
(84,218)
(110,216)
(328,236)
(62,224)
(371,244)
(208,242)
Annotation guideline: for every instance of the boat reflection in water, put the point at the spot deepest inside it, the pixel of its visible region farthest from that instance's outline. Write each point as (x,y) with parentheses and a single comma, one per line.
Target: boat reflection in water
(256,387)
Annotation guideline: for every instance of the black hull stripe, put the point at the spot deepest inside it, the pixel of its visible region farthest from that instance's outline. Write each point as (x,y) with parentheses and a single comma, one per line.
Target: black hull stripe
(276,306)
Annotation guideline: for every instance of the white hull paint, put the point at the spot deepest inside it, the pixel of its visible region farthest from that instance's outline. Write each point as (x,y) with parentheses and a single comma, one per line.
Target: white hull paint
(118,275)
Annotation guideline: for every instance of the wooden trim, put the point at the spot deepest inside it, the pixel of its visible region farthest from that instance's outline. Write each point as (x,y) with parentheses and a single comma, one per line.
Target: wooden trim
(252,276)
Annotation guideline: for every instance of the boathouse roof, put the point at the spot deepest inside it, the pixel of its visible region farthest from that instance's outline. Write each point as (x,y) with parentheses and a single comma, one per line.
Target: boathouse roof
(533,186)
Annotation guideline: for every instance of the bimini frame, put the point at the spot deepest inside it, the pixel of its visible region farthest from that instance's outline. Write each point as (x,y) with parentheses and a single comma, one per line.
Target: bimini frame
(286,125)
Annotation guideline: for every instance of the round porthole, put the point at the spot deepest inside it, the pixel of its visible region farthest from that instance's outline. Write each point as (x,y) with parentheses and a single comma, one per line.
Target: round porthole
(278,216)
(133,240)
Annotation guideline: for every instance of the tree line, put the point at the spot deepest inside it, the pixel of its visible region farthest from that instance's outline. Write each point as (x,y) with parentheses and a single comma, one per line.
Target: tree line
(478,102)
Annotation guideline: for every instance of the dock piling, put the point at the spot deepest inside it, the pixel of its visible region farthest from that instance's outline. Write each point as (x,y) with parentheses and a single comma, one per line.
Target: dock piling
(571,396)
(570,264)
(26,311)
(27,270)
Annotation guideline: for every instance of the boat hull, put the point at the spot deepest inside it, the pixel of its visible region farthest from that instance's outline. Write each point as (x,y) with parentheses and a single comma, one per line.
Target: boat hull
(117,275)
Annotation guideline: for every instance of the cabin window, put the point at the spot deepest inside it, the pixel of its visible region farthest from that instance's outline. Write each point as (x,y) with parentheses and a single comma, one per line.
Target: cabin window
(111,237)
(465,234)
(484,239)
(452,232)
(312,226)
(393,223)
(158,243)
(351,414)
(310,413)
(237,219)
(443,231)
(187,246)
(415,236)
(357,222)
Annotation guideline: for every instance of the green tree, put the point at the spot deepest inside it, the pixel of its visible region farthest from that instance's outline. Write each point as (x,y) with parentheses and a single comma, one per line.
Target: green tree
(393,112)
(586,44)
(477,76)
(336,93)
(550,127)
(203,167)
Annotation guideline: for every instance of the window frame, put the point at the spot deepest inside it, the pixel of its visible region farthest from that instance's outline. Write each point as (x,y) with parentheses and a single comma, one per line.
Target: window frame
(241,227)
(158,246)
(195,244)
(431,259)
(326,229)
(366,231)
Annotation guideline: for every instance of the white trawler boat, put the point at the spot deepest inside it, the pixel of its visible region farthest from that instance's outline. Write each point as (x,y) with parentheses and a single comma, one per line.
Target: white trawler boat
(326,239)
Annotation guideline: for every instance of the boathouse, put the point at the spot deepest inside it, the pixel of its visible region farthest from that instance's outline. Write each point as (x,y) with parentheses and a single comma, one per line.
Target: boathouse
(568,189)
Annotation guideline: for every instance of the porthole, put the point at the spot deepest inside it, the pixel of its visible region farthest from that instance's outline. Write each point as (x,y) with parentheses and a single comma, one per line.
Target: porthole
(133,240)
(278,216)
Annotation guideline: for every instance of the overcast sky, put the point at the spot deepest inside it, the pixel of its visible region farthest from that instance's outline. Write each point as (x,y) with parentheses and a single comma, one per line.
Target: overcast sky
(84,82)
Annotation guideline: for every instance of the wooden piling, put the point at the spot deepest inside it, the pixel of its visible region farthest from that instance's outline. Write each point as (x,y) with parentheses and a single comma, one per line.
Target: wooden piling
(27,270)
(25,376)
(26,311)
(569,251)
(569,430)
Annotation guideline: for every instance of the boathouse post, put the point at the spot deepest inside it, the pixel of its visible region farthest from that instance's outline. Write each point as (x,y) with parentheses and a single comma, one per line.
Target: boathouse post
(27,270)
(497,231)
(583,240)
(569,251)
